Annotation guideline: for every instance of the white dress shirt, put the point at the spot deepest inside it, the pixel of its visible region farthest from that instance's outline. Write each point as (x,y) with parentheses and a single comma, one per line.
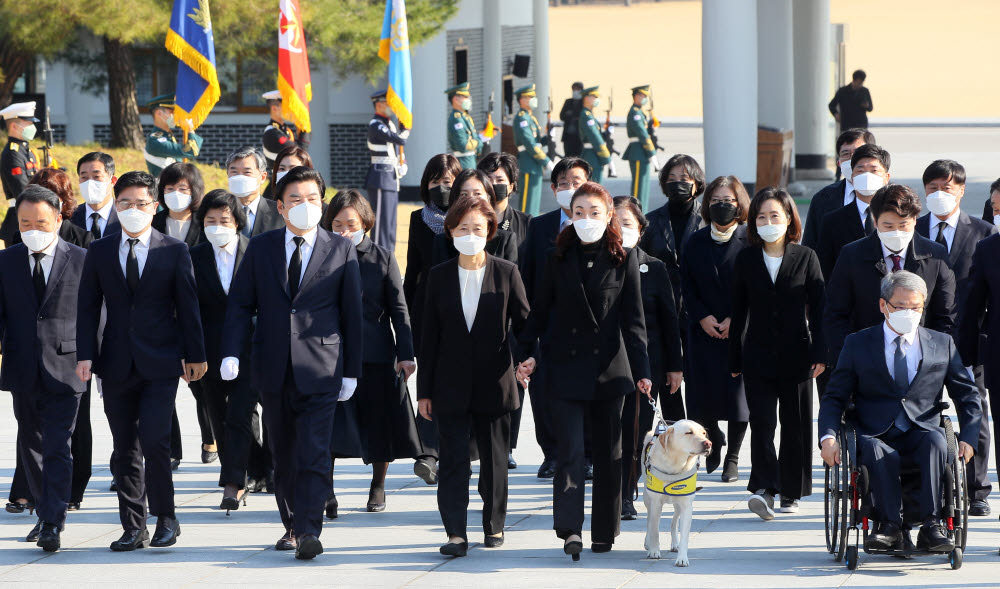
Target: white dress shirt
(848,193)
(772,264)
(911,348)
(251,211)
(887,256)
(305,250)
(470,282)
(950,227)
(141,250)
(177,228)
(46,259)
(102,220)
(862,210)
(225,262)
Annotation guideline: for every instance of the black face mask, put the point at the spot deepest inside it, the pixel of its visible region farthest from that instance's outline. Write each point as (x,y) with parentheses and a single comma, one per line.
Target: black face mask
(679,191)
(722,213)
(441,196)
(500,190)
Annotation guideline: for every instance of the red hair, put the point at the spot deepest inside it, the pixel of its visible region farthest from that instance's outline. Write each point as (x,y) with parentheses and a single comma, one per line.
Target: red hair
(58,181)
(612,237)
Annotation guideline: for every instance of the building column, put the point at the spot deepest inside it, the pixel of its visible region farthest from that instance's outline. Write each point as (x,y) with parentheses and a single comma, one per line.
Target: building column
(492,62)
(812,62)
(319,121)
(729,88)
(540,22)
(775,69)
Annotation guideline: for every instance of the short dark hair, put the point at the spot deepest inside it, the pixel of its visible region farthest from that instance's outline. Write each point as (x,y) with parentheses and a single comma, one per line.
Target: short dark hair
(945,170)
(868,151)
(37,193)
(438,166)
(852,135)
(136,178)
(859,75)
(493,161)
(292,149)
(568,163)
(690,166)
(995,187)
(473,173)
(465,205)
(794,231)
(222,199)
(98,156)
(632,204)
(742,198)
(895,198)
(176,172)
(349,198)
(577,85)
(299,174)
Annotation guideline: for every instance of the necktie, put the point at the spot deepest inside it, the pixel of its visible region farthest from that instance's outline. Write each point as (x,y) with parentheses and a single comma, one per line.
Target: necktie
(869,224)
(940,236)
(295,267)
(902,383)
(38,276)
(896,267)
(95,227)
(248,228)
(132,266)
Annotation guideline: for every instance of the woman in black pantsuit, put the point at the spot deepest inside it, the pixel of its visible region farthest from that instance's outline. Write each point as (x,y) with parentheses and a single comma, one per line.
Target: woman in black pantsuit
(711,394)
(778,305)
(663,347)
(467,374)
(590,299)
(384,418)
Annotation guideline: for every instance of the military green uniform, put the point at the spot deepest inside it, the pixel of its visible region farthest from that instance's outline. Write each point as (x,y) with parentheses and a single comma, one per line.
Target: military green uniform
(162,149)
(463,139)
(639,151)
(595,152)
(531,158)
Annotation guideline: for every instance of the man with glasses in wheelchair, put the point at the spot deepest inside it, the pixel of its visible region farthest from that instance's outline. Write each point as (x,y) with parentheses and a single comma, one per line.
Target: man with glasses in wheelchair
(894,374)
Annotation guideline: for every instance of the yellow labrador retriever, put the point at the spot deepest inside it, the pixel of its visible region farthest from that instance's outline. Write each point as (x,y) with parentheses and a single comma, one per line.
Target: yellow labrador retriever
(670,466)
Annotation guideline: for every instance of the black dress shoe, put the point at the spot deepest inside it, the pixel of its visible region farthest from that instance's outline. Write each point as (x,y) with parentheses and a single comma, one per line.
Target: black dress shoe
(493,541)
(15,507)
(887,537)
(73,506)
(286,542)
(713,460)
(547,470)
(48,539)
(167,530)
(331,507)
(979,508)
(600,547)
(233,503)
(730,470)
(933,537)
(511,463)
(573,548)
(252,485)
(588,471)
(628,510)
(376,500)
(208,456)
(454,549)
(175,463)
(131,540)
(35,531)
(308,547)
(426,469)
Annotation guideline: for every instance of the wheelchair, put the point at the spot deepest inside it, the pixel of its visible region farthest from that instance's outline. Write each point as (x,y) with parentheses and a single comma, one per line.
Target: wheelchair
(847,504)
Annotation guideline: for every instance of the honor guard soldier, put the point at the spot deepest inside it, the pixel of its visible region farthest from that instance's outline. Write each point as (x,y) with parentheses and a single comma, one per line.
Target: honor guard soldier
(385,171)
(531,158)
(640,153)
(595,151)
(162,149)
(464,142)
(17,162)
(278,134)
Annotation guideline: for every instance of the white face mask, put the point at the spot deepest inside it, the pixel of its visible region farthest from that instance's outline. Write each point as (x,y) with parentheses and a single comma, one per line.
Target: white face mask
(134,220)
(28,133)
(466,104)
(305,215)
(845,170)
(279,176)
(357,236)
(169,121)
(565,197)
(597,103)
(94,191)
(996,220)
(219,235)
(941,203)
(895,241)
(589,230)
(243,185)
(868,184)
(772,233)
(36,240)
(177,201)
(470,244)
(904,321)
(630,237)
(533,102)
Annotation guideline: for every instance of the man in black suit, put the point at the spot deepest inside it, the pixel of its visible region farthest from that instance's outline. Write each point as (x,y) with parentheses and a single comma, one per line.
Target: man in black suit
(39,279)
(944,187)
(152,337)
(247,177)
(839,194)
(97,214)
(869,173)
(991,208)
(894,374)
(304,285)
(853,289)
(569,174)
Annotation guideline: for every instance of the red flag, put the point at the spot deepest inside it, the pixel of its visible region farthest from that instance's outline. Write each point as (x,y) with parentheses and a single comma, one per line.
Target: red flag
(293,66)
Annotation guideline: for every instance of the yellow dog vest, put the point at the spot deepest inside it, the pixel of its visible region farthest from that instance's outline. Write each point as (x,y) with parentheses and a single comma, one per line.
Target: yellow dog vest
(677,485)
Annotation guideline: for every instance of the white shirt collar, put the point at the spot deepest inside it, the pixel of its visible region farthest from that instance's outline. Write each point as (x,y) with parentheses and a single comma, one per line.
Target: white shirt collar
(254,204)
(862,206)
(889,336)
(143,237)
(848,192)
(952,221)
(886,252)
(50,249)
(310,236)
(229,248)
(104,211)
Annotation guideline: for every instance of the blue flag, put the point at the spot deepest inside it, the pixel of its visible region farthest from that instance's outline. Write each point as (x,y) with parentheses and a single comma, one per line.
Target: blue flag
(394,47)
(190,40)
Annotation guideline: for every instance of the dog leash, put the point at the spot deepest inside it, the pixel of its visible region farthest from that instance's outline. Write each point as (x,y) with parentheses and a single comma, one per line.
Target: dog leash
(661,425)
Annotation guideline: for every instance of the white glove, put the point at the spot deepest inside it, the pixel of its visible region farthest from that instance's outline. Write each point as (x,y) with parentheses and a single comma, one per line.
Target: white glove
(404,134)
(551,165)
(402,169)
(347,389)
(230,368)
(654,163)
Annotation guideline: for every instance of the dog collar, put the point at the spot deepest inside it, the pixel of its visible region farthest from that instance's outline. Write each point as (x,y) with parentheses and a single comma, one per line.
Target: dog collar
(677,485)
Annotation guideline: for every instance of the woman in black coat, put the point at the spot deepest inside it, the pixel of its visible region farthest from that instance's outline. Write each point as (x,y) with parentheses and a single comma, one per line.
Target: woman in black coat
(385,422)
(776,343)
(712,395)
(663,346)
(590,301)
(467,373)
(476,183)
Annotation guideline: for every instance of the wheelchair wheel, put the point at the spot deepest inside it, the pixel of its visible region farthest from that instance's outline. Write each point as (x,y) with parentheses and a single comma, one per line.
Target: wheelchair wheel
(843,506)
(956,559)
(852,558)
(961,505)
(831,507)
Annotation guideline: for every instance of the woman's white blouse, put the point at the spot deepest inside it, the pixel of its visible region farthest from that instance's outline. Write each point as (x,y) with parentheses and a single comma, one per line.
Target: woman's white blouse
(471,284)
(772,265)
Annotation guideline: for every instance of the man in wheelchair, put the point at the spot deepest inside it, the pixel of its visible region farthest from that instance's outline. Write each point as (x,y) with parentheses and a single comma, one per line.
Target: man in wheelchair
(894,374)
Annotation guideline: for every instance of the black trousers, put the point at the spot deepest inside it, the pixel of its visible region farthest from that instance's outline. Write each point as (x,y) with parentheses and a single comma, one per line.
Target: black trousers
(492,435)
(977,473)
(139,414)
(542,413)
(632,444)
(83,449)
(260,465)
(205,424)
(886,455)
(47,421)
(787,472)
(300,428)
(515,418)
(229,405)
(569,485)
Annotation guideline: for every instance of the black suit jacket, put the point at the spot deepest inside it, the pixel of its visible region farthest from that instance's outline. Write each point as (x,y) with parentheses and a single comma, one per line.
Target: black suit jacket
(319,331)
(195,232)
(503,245)
(516,222)
(988,210)
(659,241)
(852,293)
(663,334)
(862,376)
(385,310)
(212,299)
(827,200)
(466,370)
(419,253)
(983,299)
(268,218)
(968,233)
(538,244)
(592,355)
(779,342)
(68,232)
(39,340)
(79,219)
(838,229)
(151,331)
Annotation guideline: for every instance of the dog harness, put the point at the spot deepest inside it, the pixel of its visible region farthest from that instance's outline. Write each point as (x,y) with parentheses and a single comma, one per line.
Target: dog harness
(677,485)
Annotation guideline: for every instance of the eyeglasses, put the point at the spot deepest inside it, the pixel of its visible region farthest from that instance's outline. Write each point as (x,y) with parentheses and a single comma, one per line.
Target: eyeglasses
(126,205)
(919,309)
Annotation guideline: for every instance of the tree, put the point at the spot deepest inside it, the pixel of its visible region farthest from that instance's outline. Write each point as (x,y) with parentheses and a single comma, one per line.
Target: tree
(22,36)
